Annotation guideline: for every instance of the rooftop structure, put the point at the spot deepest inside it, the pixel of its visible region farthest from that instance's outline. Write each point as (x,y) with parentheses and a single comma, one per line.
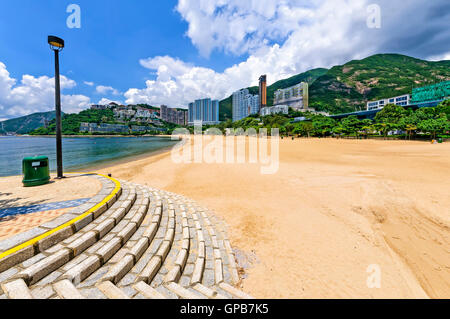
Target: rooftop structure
(402,100)
(296,96)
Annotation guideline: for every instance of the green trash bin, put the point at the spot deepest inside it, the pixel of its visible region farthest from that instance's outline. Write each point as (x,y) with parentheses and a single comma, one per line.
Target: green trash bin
(440,140)
(35,171)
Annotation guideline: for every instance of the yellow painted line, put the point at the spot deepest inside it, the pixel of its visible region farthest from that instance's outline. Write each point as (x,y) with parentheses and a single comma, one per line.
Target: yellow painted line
(69,223)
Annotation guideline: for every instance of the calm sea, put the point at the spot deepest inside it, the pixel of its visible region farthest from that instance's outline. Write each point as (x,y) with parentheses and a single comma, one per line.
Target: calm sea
(78,153)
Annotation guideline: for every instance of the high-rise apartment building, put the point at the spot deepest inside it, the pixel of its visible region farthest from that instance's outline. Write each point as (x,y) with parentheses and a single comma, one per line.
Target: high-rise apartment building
(296,96)
(262,91)
(204,110)
(172,115)
(244,104)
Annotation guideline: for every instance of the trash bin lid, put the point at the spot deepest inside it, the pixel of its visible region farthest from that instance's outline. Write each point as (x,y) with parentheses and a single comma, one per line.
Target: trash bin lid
(35,159)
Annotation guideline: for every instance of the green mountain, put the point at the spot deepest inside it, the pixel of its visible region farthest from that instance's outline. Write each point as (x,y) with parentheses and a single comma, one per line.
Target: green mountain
(71,122)
(225,109)
(348,87)
(26,124)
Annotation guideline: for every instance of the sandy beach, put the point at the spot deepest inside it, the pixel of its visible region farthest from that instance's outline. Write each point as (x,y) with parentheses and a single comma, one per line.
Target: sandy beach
(334,208)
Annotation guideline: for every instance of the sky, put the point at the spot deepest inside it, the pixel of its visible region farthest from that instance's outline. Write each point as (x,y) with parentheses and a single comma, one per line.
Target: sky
(173,52)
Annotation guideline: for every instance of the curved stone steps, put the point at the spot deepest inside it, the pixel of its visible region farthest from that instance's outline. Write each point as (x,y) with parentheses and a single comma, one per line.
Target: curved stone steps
(163,246)
(39,267)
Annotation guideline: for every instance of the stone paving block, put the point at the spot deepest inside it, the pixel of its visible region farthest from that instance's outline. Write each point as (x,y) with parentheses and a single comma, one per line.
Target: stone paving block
(81,271)
(185,244)
(150,232)
(183,292)
(49,279)
(127,232)
(92,293)
(82,243)
(185,281)
(72,238)
(163,250)
(106,251)
(119,227)
(66,290)
(16,289)
(93,278)
(74,262)
(119,270)
(148,291)
(104,227)
(58,221)
(139,266)
(78,225)
(54,238)
(139,248)
(44,267)
(167,293)
(170,234)
(208,277)
(21,238)
(118,215)
(173,275)
(188,269)
(111,291)
(157,281)
(42,292)
(218,271)
(235,292)
(103,208)
(197,274)
(30,261)
(127,280)
(209,264)
(151,269)
(129,291)
(181,258)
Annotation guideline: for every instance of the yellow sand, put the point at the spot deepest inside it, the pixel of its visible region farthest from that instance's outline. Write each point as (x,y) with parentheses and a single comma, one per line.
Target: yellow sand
(334,208)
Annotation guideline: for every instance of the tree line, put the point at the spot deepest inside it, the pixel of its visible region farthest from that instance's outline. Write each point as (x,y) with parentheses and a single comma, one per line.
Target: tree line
(392,120)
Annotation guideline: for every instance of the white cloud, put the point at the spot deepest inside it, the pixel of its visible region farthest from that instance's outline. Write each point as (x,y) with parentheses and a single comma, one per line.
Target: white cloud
(89,83)
(283,38)
(35,94)
(106,90)
(105,101)
(440,57)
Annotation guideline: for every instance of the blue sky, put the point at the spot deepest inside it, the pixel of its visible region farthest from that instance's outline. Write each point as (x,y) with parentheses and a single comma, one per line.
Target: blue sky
(106,50)
(174,51)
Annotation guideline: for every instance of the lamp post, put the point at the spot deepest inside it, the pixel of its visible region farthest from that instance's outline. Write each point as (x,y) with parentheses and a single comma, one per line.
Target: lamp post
(57,45)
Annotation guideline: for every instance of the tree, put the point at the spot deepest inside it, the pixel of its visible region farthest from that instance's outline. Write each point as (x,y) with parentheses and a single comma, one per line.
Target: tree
(322,125)
(434,126)
(351,125)
(391,114)
(366,127)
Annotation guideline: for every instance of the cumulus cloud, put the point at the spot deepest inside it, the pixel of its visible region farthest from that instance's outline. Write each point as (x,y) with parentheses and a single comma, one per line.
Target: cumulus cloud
(285,37)
(35,94)
(107,90)
(89,83)
(105,101)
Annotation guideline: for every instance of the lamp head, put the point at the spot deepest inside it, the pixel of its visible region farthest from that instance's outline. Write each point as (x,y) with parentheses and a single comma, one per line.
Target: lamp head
(55,43)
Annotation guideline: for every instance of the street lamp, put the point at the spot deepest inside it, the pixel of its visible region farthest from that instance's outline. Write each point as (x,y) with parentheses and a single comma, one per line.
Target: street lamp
(57,45)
